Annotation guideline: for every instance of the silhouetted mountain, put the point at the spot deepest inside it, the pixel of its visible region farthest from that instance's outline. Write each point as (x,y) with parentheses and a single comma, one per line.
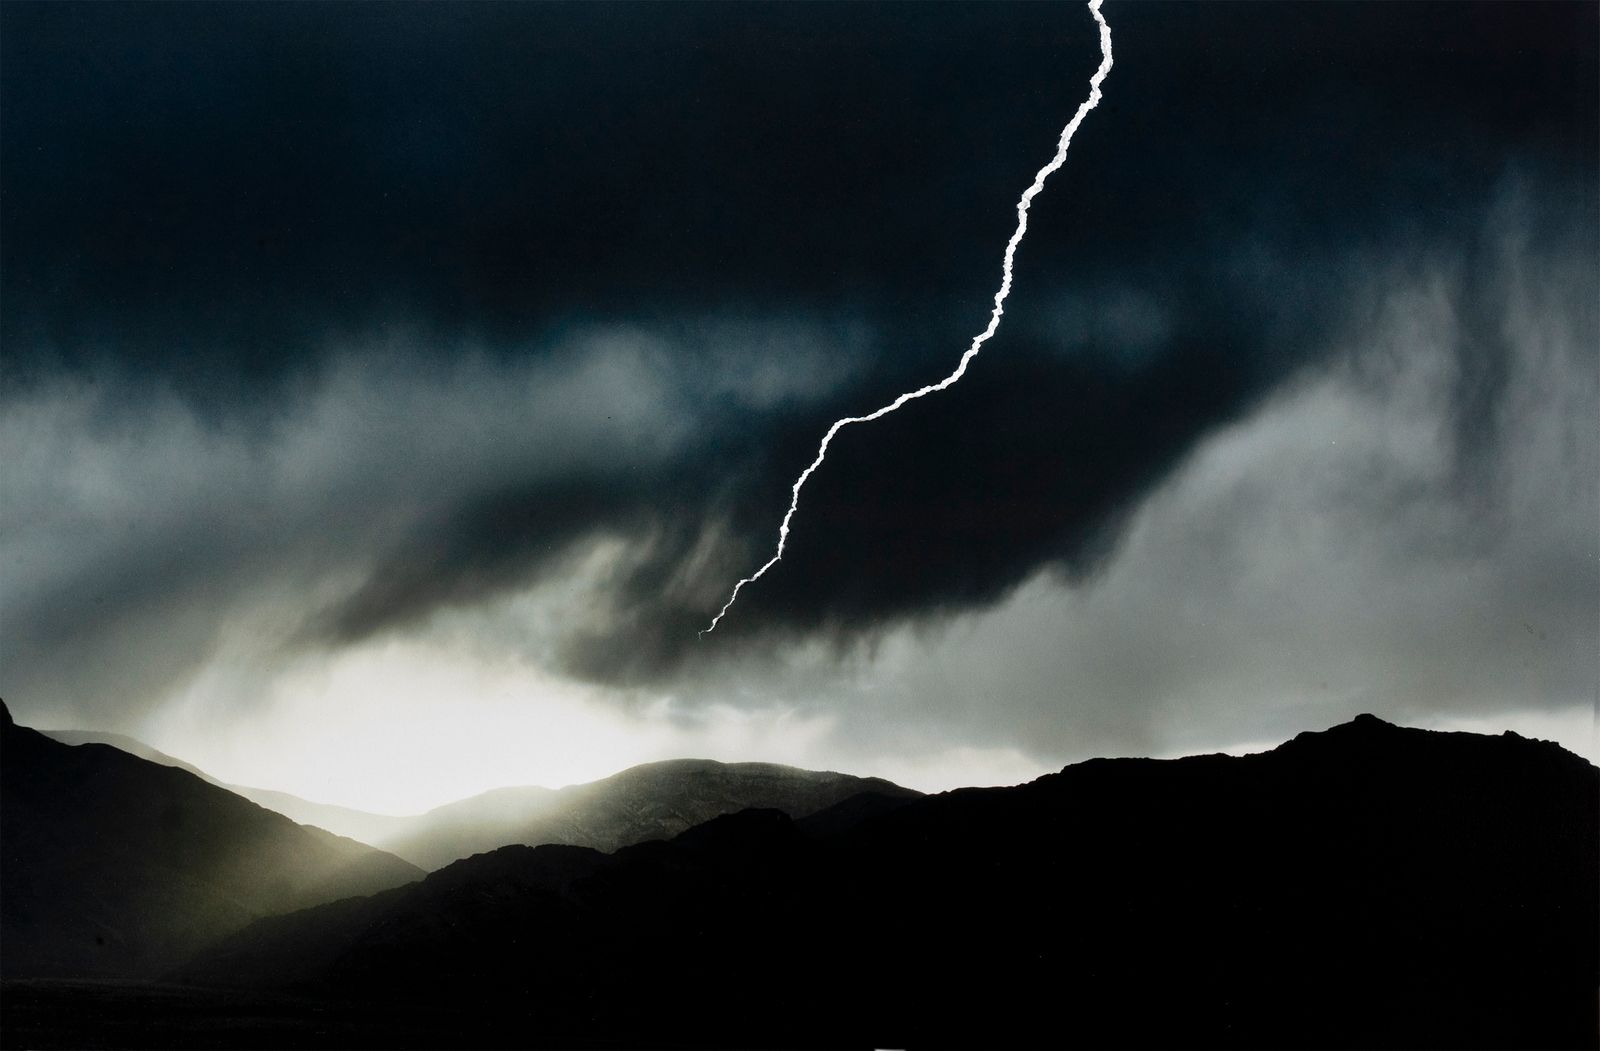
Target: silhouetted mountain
(652,801)
(1364,886)
(355,824)
(111,865)
(132,746)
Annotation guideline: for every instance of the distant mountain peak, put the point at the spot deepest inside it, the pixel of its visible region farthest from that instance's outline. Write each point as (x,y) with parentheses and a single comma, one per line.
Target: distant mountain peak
(649,801)
(1365,728)
(1365,723)
(1371,727)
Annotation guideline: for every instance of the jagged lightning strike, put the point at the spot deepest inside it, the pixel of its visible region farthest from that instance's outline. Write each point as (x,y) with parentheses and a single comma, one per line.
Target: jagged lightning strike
(978,341)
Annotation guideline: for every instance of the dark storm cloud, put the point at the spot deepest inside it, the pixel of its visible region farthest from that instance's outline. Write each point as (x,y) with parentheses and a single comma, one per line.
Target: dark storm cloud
(216,196)
(215,187)
(227,182)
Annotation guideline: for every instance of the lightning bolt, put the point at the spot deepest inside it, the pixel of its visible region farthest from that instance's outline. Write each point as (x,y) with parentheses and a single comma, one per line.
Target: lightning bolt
(977,341)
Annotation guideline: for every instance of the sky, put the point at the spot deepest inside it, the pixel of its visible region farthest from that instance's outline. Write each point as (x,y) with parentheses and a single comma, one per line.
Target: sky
(390,394)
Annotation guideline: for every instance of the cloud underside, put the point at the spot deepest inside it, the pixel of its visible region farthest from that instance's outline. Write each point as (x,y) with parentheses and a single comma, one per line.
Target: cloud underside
(1401,521)
(1293,412)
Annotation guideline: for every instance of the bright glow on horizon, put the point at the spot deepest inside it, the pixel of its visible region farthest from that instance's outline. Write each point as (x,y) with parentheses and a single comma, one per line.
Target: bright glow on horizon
(402,726)
(368,732)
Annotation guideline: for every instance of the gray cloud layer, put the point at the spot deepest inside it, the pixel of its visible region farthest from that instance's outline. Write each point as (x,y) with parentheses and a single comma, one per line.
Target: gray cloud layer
(1365,542)
(1407,526)
(1293,411)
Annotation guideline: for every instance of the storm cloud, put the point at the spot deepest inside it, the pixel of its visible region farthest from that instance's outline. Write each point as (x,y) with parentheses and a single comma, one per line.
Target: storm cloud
(512,324)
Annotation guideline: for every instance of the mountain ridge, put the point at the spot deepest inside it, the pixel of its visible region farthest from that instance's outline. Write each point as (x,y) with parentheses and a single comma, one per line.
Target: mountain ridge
(1386,886)
(361,825)
(114,866)
(644,801)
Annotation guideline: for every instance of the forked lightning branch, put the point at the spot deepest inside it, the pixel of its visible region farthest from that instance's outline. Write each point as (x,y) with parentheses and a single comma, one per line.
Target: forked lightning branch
(977,342)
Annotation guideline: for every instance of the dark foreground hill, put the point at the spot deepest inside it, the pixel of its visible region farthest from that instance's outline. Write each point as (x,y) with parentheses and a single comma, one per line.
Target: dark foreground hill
(1368,886)
(112,866)
(359,825)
